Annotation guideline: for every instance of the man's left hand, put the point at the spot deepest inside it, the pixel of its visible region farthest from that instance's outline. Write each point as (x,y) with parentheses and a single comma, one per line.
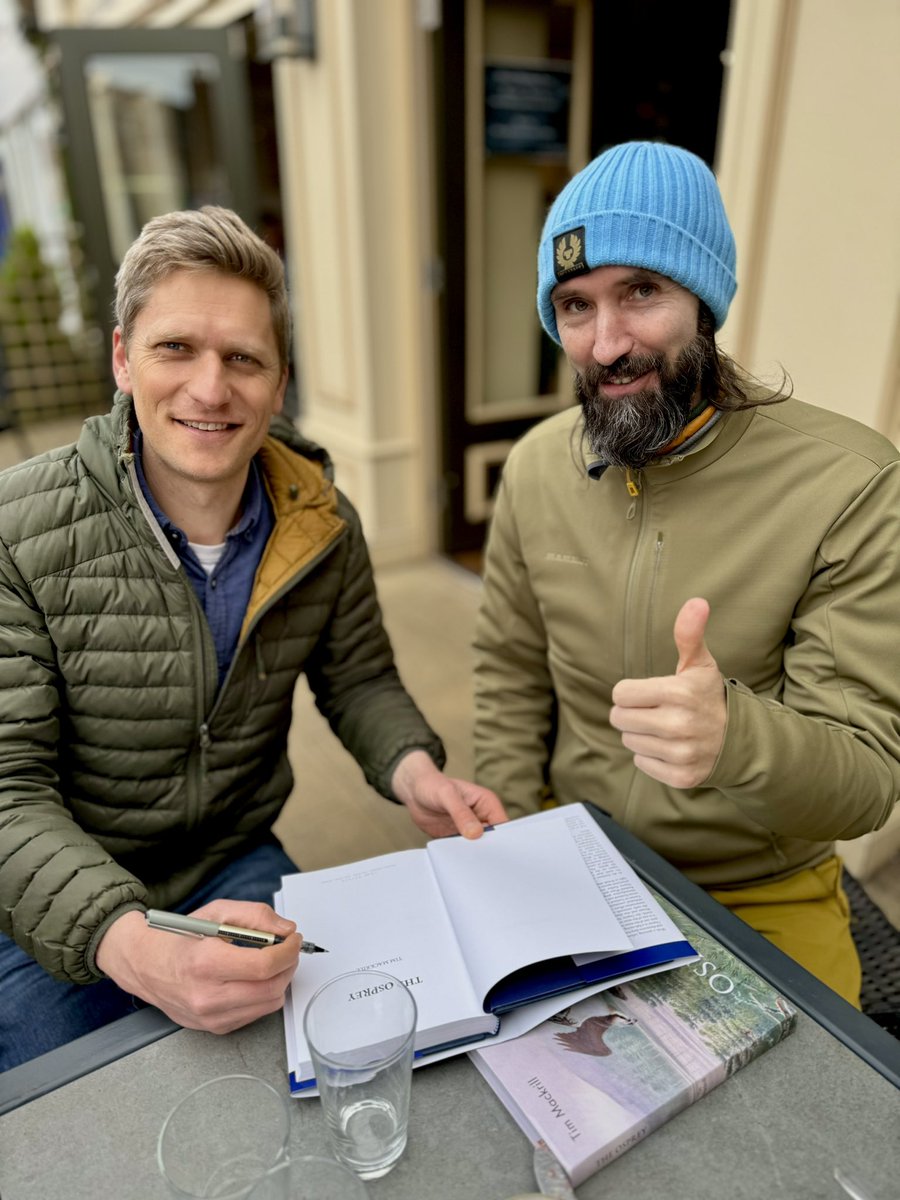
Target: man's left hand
(440,805)
(675,724)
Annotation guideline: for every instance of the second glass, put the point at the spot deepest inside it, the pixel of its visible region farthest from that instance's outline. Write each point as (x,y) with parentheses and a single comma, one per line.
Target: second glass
(224,1139)
(360,1029)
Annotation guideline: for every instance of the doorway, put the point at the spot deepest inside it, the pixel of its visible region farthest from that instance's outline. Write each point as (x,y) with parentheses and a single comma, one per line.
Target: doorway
(528,92)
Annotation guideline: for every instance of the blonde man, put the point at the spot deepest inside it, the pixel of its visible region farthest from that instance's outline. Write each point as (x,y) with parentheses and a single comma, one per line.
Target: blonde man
(163,583)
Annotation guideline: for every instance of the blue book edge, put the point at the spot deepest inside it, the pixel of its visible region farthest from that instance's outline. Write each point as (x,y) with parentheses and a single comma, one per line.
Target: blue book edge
(553,978)
(560,975)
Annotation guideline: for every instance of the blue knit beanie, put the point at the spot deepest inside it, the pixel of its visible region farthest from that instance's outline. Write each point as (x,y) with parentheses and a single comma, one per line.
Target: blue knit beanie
(640,204)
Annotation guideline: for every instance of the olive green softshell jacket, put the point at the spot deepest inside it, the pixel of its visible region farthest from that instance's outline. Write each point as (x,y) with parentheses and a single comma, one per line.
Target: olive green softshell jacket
(787,520)
(126,774)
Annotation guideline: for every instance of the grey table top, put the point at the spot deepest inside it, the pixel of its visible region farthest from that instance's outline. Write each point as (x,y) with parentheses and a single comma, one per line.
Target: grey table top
(775,1129)
(82,1122)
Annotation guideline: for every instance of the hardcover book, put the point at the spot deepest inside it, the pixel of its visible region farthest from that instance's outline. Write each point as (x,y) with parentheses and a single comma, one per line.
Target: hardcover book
(497,928)
(603,1073)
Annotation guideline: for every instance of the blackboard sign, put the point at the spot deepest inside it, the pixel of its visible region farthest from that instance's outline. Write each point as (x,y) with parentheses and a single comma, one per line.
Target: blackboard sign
(527,109)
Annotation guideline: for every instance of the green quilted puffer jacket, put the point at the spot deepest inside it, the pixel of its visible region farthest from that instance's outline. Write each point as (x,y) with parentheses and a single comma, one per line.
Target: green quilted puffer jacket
(126,775)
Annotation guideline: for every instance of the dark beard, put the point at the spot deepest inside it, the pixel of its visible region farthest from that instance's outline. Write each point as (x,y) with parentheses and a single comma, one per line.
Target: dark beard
(627,431)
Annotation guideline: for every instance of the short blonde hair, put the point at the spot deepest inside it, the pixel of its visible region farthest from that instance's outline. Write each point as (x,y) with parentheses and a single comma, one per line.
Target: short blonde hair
(204,239)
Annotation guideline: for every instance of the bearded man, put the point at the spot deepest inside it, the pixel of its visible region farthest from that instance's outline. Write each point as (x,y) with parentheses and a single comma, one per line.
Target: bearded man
(691,582)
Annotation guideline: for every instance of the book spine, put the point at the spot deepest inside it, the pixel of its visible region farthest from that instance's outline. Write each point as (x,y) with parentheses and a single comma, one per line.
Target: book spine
(601,1157)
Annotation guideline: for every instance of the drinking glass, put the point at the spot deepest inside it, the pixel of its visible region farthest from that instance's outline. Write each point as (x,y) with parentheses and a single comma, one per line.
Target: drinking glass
(308,1177)
(224,1139)
(360,1029)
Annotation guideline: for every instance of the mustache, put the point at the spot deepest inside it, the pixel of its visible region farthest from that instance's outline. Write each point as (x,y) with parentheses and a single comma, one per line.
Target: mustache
(631,366)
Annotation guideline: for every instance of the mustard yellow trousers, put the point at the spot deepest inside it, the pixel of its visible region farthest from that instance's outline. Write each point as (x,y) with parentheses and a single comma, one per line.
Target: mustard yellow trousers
(807,916)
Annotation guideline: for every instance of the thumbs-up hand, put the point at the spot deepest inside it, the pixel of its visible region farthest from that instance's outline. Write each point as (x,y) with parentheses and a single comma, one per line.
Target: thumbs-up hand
(675,724)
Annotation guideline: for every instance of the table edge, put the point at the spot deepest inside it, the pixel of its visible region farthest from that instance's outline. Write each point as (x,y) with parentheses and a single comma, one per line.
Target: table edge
(857,1032)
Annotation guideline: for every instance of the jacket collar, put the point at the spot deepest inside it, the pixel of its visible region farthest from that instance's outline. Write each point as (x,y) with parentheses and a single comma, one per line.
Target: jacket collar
(696,434)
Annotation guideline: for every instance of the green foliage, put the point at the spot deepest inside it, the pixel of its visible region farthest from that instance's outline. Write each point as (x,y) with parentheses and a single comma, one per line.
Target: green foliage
(28,288)
(46,373)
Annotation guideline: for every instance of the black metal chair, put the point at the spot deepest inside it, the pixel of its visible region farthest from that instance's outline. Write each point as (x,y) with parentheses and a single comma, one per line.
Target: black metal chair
(878,944)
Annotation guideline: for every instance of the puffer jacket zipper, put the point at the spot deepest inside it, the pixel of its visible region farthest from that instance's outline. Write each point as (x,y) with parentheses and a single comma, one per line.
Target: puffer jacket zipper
(206,674)
(251,632)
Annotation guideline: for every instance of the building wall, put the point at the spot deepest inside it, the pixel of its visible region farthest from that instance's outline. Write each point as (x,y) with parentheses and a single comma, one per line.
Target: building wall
(809,168)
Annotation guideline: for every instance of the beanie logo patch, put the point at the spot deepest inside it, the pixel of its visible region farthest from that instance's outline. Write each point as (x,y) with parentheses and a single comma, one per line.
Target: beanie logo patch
(568,253)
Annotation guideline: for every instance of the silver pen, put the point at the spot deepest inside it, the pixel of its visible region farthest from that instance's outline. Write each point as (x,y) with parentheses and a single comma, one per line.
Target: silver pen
(198,927)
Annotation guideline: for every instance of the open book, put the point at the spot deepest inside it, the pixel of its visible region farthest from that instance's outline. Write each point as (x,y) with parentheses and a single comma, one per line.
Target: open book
(535,909)
(602,1074)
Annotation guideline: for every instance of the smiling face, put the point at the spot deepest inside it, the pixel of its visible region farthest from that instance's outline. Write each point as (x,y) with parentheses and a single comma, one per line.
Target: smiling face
(203,368)
(613,314)
(631,336)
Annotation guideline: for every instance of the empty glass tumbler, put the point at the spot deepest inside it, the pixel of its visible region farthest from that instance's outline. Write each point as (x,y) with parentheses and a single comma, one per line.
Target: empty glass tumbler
(360,1029)
(224,1140)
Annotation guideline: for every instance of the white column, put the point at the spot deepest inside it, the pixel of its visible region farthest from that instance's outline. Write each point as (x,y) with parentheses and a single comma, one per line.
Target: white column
(352,137)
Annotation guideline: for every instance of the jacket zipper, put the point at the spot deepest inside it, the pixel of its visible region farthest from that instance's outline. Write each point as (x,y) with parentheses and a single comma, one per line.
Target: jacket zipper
(200,775)
(198,762)
(260,665)
(654,579)
(634,491)
(204,723)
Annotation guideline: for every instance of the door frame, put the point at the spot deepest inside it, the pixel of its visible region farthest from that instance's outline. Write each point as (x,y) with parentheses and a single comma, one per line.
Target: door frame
(231,108)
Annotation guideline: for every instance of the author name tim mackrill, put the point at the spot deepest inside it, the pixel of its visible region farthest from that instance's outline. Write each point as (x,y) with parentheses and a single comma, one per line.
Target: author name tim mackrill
(555,1107)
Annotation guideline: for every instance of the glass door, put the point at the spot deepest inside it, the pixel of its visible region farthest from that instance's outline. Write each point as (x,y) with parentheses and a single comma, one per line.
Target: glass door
(155,120)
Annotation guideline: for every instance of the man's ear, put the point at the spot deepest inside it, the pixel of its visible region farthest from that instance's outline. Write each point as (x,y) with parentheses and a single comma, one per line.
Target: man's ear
(120,362)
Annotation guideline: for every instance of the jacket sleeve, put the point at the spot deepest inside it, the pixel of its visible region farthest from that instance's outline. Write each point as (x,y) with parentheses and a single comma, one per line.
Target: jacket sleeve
(514,695)
(355,681)
(822,760)
(60,890)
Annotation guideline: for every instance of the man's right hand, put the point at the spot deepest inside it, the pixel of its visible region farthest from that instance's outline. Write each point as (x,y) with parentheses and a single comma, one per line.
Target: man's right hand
(203,983)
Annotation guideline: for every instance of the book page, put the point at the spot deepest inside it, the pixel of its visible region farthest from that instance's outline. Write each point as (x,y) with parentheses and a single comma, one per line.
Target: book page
(525,892)
(381,914)
(627,896)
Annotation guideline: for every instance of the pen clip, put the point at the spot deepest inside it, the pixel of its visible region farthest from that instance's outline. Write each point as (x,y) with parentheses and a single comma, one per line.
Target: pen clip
(169,923)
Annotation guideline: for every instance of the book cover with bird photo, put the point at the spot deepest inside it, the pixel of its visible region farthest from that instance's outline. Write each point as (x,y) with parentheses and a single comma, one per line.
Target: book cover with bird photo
(602,1074)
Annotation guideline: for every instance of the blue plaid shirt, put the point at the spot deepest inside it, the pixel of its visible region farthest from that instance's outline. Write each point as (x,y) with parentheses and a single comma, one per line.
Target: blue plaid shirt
(225,593)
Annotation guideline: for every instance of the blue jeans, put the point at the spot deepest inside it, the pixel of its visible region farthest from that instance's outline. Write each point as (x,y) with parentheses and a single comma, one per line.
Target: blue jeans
(39,1013)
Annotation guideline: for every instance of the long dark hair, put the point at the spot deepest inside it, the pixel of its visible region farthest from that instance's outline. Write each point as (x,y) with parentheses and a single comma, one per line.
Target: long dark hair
(727,386)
